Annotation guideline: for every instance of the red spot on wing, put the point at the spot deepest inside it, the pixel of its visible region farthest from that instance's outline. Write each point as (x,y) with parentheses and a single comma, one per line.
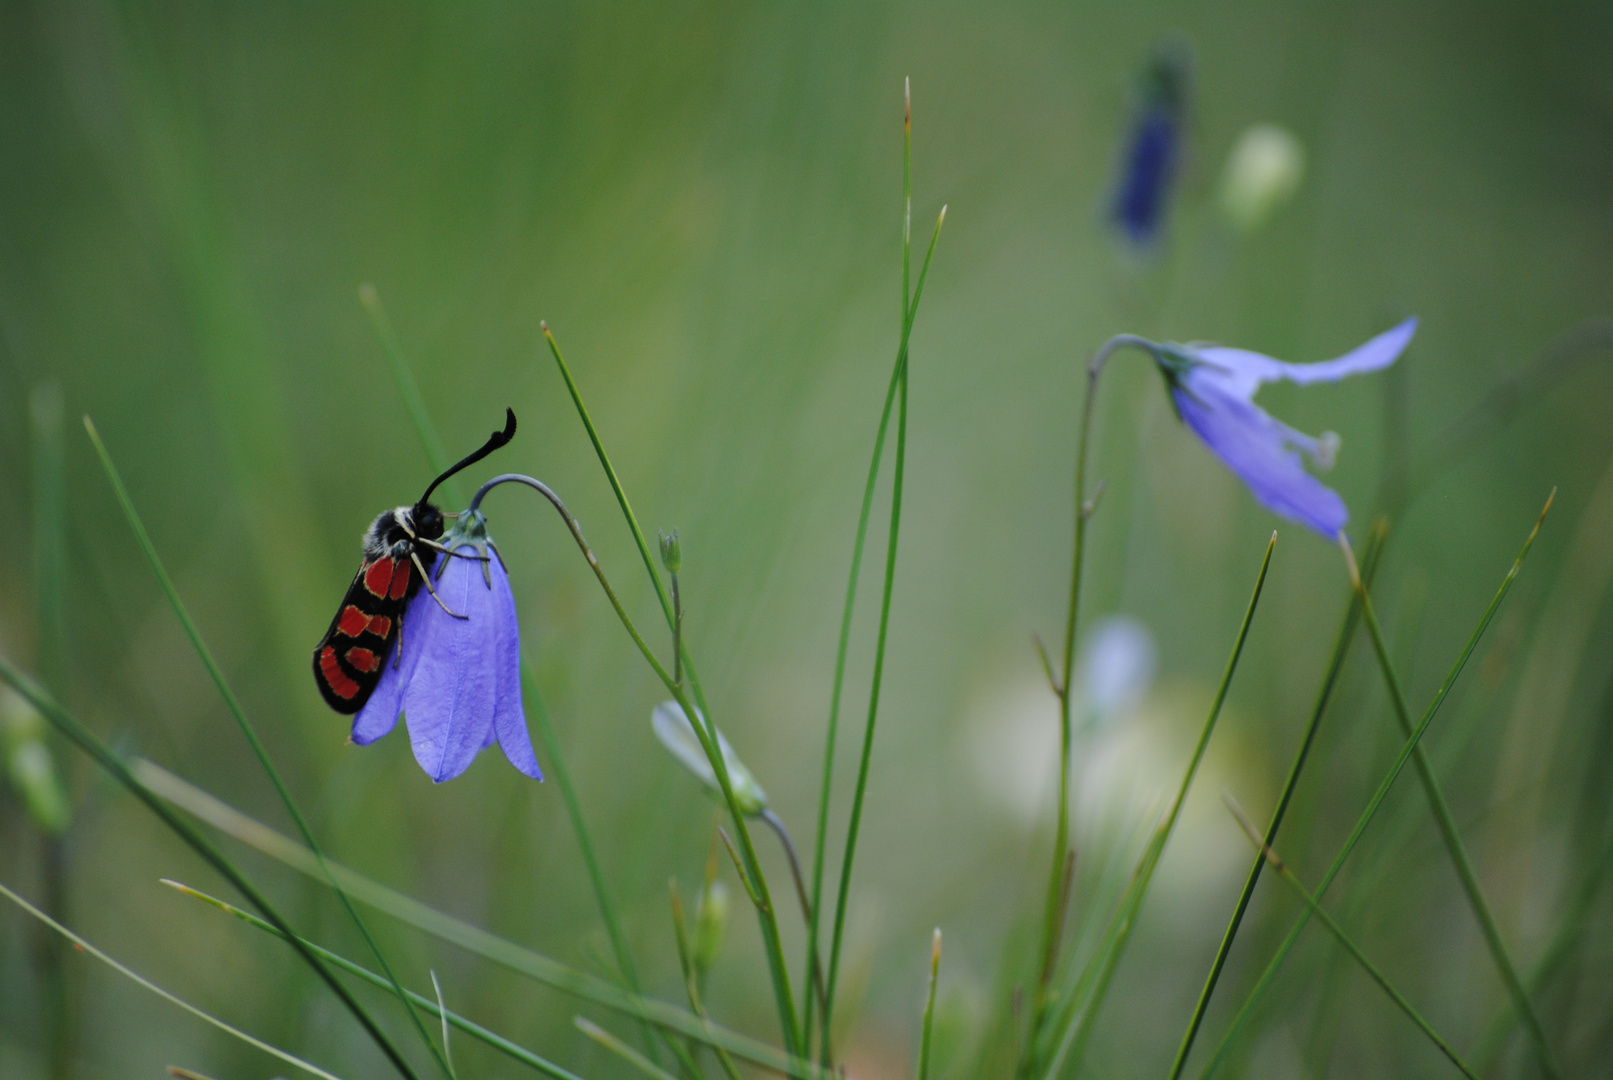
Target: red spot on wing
(380,626)
(363,659)
(400,579)
(353,621)
(335,677)
(378,576)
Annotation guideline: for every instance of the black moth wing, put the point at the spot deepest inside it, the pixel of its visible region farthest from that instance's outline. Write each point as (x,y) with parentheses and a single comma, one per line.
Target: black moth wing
(349,659)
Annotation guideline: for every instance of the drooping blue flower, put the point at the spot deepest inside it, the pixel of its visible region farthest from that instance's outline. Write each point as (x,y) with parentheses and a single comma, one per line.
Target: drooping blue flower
(458,680)
(1154,144)
(1213,389)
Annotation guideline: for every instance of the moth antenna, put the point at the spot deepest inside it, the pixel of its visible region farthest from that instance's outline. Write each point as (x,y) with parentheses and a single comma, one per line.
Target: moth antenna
(494,441)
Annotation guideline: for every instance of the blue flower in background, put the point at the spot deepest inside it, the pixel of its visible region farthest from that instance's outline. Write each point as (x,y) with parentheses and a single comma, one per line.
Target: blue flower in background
(1154,145)
(1213,390)
(458,681)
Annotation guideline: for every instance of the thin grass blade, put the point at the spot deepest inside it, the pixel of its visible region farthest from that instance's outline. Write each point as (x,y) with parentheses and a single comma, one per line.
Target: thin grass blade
(1341,649)
(1072,1045)
(233,705)
(1267,854)
(85,946)
(469,1027)
(1451,836)
(621,1049)
(472,939)
(92,745)
(929,1007)
(859,793)
(1378,796)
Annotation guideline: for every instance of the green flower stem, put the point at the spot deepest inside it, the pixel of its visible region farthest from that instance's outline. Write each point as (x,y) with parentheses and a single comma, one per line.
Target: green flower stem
(103,755)
(929,1007)
(247,730)
(1268,855)
(469,1027)
(621,500)
(1270,973)
(273,1051)
(1341,649)
(1052,915)
(815,969)
(472,939)
(1073,1044)
(437,458)
(706,732)
(1448,830)
(854,826)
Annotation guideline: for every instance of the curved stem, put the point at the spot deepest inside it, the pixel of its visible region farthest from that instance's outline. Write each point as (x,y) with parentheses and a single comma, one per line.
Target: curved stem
(816,973)
(1051,917)
(705,731)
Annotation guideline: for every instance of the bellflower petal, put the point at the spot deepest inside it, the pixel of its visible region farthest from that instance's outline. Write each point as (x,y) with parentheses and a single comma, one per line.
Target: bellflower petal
(1213,389)
(448,703)
(1258,451)
(1241,372)
(458,684)
(380,714)
(509,718)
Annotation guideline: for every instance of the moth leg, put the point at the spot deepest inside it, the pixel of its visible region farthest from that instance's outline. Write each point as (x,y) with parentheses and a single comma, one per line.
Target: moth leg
(425,579)
(397,660)
(456,553)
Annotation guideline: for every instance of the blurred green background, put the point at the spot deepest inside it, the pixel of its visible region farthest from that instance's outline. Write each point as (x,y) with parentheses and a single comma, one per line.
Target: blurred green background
(703,200)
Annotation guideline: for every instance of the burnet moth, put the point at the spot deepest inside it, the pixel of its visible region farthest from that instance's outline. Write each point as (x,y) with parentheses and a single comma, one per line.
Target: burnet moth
(400,546)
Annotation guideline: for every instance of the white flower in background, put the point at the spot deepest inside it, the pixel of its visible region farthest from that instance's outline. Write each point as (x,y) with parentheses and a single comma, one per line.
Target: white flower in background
(1117,667)
(1013,741)
(1263,172)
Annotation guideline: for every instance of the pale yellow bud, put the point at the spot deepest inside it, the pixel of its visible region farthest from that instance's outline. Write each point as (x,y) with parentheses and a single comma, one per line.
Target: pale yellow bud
(1263,172)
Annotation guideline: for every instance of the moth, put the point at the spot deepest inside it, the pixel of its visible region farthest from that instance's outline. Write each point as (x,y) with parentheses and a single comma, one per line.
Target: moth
(400,547)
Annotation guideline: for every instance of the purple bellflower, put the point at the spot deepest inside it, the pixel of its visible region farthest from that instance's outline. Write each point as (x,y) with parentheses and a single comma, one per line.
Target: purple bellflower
(1213,389)
(457,681)
(1153,146)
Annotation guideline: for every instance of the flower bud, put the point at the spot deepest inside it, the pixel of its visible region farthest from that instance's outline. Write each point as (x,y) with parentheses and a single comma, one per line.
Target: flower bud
(671,551)
(710,923)
(1263,172)
(29,765)
(672,727)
